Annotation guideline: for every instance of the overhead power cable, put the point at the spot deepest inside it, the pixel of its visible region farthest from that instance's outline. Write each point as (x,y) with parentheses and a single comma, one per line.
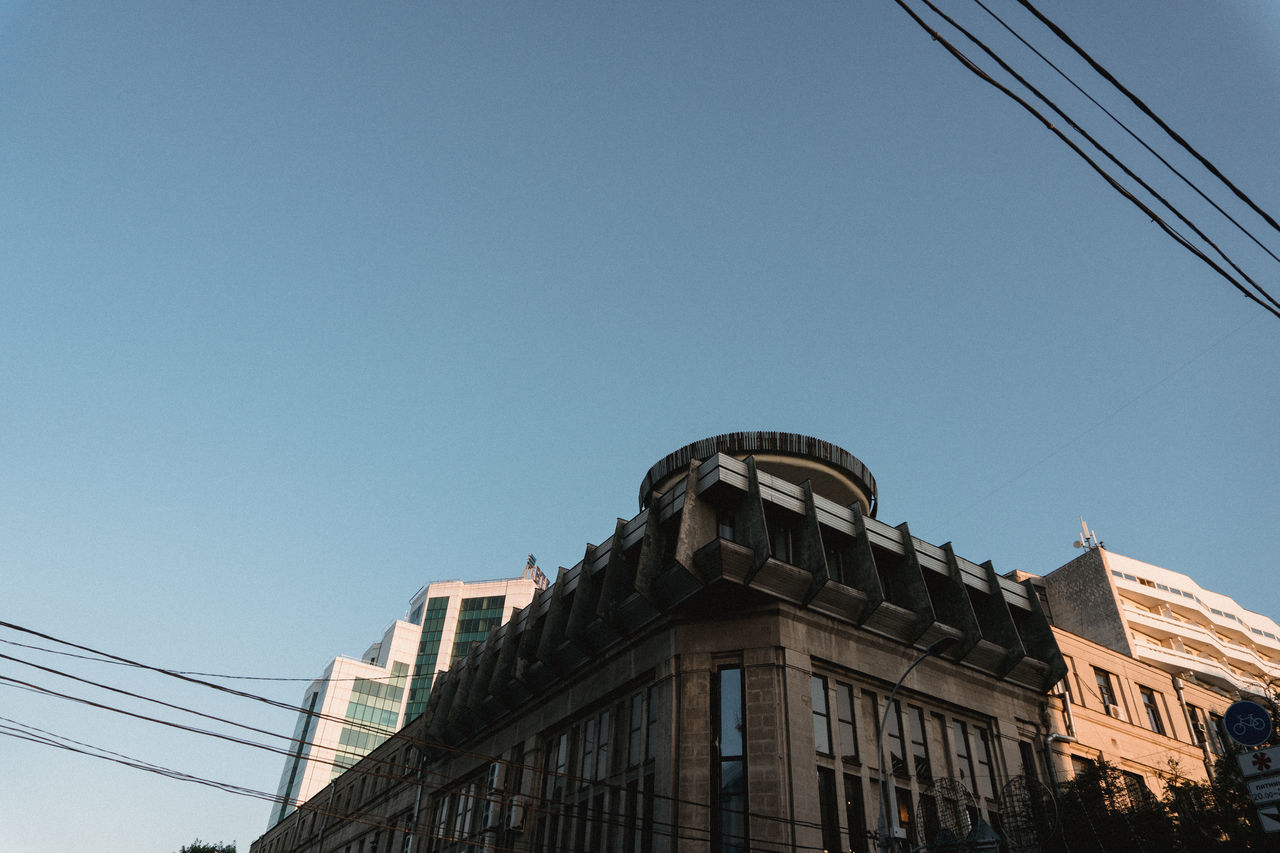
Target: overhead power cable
(368,771)
(121,691)
(1136,138)
(1110,179)
(1098,146)
(98,659)
(24,731)
(1107,75)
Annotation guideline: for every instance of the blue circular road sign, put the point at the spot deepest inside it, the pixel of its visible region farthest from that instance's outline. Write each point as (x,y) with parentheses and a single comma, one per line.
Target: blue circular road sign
(1247,723)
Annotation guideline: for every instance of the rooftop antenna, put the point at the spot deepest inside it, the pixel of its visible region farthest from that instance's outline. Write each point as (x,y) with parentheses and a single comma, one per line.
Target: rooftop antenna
(1088,539)
(533,573)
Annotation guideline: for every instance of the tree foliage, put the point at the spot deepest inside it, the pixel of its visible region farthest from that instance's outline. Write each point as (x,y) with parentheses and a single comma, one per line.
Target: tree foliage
(199,846)
(1101,811)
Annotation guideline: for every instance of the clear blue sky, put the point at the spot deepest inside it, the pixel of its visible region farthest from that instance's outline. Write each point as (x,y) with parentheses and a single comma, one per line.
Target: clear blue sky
(306,305)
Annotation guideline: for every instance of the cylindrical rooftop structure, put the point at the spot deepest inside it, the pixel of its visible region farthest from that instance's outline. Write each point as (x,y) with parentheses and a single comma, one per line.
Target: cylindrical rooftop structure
(834,472)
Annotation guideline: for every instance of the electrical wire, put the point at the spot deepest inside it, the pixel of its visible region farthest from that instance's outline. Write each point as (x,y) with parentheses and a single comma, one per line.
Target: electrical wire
(370,763)
(196,673)
(1042,98)
(1110,78)
(1114,118)
(1110,179)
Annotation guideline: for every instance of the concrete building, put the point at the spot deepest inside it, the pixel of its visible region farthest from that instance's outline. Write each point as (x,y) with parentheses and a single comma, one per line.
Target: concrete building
(1154,659)
(1165,618)
(357,704)
(712,677)
(1133,715)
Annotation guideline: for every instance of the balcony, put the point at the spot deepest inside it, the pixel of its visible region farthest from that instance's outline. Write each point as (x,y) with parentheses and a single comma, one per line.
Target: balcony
(1205,668)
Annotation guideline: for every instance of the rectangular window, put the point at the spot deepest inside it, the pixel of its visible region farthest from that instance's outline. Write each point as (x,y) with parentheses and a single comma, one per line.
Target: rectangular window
(1027,752)
(827,809)
(1150,704)
(493,797)
(893,736)
(646,826)
(906,816)
(779,526)
(630,808)
(1106,692)
(602,746)
(1216,743)
(598,819)
(835,562)
(964,760)
(855,814)
(845,724)
(1066,679)
(726,527)
(1198,732)
(1136,789)
(651,727)
(1080,766)
(729,827)
(588,753)
(986,773)
(635,731)
(821,718)
(557,763)
(919,746)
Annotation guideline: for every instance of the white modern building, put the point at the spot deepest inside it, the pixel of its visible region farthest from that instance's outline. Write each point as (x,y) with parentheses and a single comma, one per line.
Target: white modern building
(455,616)
(354,706)
(1165,618)
(357,704)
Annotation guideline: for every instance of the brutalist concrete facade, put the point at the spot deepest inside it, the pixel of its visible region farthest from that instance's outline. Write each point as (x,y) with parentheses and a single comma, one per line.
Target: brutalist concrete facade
(711,678)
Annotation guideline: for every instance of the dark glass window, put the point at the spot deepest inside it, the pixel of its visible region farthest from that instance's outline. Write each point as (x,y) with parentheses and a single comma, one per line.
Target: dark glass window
(906,815)
(1080,765)
(779,524)
(588,753)
(855,814)
(635,731)
(1136,789)
(476,618)
(827,809)
(964,760)
(845,723)
(729,828)
(1220,731)
(602,746)
(651,727)
(893,735)
(919,746)
(821,717)
(986,774)
(1152,707)
(726,524)
(1028,760)
(1106,692)
(1198,731)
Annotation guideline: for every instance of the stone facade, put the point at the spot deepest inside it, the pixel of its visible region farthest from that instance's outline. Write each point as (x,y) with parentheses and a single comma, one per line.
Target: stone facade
(711,678)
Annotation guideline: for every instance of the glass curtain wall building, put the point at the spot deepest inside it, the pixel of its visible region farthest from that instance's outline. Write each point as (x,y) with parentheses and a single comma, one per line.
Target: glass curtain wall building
(346,712)
(357,704)
(456,616)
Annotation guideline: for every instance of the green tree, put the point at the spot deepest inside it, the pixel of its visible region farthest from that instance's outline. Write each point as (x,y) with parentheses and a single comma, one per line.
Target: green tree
(199,846)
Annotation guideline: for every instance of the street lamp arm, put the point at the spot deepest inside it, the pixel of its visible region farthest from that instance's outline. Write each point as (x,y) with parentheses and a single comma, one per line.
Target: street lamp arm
(936,648)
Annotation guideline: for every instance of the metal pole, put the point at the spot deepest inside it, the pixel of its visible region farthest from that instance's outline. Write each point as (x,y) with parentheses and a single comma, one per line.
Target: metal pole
(937,647)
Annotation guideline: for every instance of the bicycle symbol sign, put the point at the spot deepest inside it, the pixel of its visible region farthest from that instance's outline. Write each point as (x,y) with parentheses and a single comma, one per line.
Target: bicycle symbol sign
(1248,723)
